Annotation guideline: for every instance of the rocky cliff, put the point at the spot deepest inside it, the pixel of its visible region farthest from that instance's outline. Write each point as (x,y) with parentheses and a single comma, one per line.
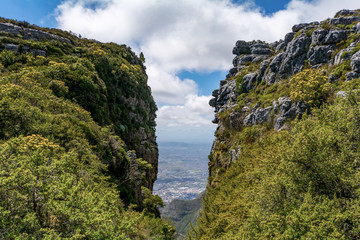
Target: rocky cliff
(284,162)
(332,45)
(85,106)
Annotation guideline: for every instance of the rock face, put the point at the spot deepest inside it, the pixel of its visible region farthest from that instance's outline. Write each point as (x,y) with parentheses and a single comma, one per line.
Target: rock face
(309,45)
(128,110)
(33,34)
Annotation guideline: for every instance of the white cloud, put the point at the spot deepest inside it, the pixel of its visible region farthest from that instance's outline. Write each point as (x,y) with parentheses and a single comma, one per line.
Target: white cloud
(193,35)
(195,112)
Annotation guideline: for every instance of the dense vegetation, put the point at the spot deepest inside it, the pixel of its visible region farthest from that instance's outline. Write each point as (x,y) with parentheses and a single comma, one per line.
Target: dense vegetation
(295,184)
(301,182)
(64,172)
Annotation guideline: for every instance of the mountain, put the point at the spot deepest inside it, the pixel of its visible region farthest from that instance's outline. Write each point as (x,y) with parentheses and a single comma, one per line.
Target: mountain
(183,213)
(285,159)
(78,154)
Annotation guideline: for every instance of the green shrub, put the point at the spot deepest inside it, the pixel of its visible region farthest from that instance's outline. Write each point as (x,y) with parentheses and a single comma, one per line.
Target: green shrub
(310,86)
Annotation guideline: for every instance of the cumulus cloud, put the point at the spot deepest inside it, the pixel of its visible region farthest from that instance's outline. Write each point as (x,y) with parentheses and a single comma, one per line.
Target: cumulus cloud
(195,112)
(188,35)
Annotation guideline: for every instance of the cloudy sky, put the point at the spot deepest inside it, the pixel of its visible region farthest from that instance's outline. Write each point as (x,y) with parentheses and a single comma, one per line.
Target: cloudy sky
(187,43)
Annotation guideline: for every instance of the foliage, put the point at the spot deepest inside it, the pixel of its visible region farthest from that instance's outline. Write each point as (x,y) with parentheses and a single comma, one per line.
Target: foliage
(309,86)
(297,184)
(65,127)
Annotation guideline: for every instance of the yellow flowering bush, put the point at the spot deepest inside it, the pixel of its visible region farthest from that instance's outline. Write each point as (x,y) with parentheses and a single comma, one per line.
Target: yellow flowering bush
(310,86)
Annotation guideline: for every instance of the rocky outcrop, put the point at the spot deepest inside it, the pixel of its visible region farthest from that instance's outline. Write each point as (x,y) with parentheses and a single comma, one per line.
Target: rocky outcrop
(309,45)
(31,34)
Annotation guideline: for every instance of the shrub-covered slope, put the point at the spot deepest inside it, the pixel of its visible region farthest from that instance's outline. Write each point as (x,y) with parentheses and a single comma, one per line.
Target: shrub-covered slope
(71,110)
(285,160)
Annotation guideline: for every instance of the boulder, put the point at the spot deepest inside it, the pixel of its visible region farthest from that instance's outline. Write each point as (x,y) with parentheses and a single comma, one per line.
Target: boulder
(241,47)
(288,37)
(38,52)
(335,36)
(257,117)
(300,26)
(298,46)
(242,60)
(262,69)
(351,75)
(355,62)
(260,49)
(11,28)
(318,36)
(341,94)
(270,77)
(11,47)
(249,80)
(344,20)
(279,123)
(275,63)
(320,54)
(345,13)
(280,47)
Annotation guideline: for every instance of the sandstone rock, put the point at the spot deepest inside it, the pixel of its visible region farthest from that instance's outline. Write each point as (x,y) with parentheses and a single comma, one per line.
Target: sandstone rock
(249,80)
(280,47)
(11,28)
(352,75)
(355,62)
(257,117)
(335,36)
(300,26)
(275,63)
(341,94)
(262,70)
(345,13)
(275,106)
(242,47)
(298,46)
(38,52)
(318,36)
(212,102)
(344,20)
(135,176)
(288,37)
(270,77)
(279,123)
(260,49)
(320,54)
(284,104)
(12,47)
(244,59)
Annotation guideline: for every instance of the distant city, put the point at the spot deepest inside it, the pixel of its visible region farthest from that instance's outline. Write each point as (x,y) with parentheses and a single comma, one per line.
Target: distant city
(183,170)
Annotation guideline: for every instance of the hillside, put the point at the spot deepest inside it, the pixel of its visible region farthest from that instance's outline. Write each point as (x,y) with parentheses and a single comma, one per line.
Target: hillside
(285,159)
(183,214)
(78,154)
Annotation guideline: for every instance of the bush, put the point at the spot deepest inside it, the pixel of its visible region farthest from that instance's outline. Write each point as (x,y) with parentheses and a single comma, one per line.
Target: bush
(310,86)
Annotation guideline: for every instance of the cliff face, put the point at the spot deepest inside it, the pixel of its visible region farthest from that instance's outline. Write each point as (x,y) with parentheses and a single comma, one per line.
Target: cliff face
(331,45)
(85,106)
(283,164)
(119,98)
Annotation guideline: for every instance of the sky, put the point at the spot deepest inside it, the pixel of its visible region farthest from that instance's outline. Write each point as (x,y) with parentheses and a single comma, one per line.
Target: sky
(187,43)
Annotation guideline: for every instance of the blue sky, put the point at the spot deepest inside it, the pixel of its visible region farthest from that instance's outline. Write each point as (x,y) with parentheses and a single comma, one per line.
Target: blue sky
(42,13)
(187,43)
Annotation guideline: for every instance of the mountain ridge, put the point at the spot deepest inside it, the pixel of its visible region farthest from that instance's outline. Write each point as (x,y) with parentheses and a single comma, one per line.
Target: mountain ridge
(78,146)
(284,159)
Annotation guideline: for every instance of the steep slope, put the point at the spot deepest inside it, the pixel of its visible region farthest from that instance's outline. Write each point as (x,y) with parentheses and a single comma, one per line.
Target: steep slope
(183,213)
(78,146)
(284,163)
